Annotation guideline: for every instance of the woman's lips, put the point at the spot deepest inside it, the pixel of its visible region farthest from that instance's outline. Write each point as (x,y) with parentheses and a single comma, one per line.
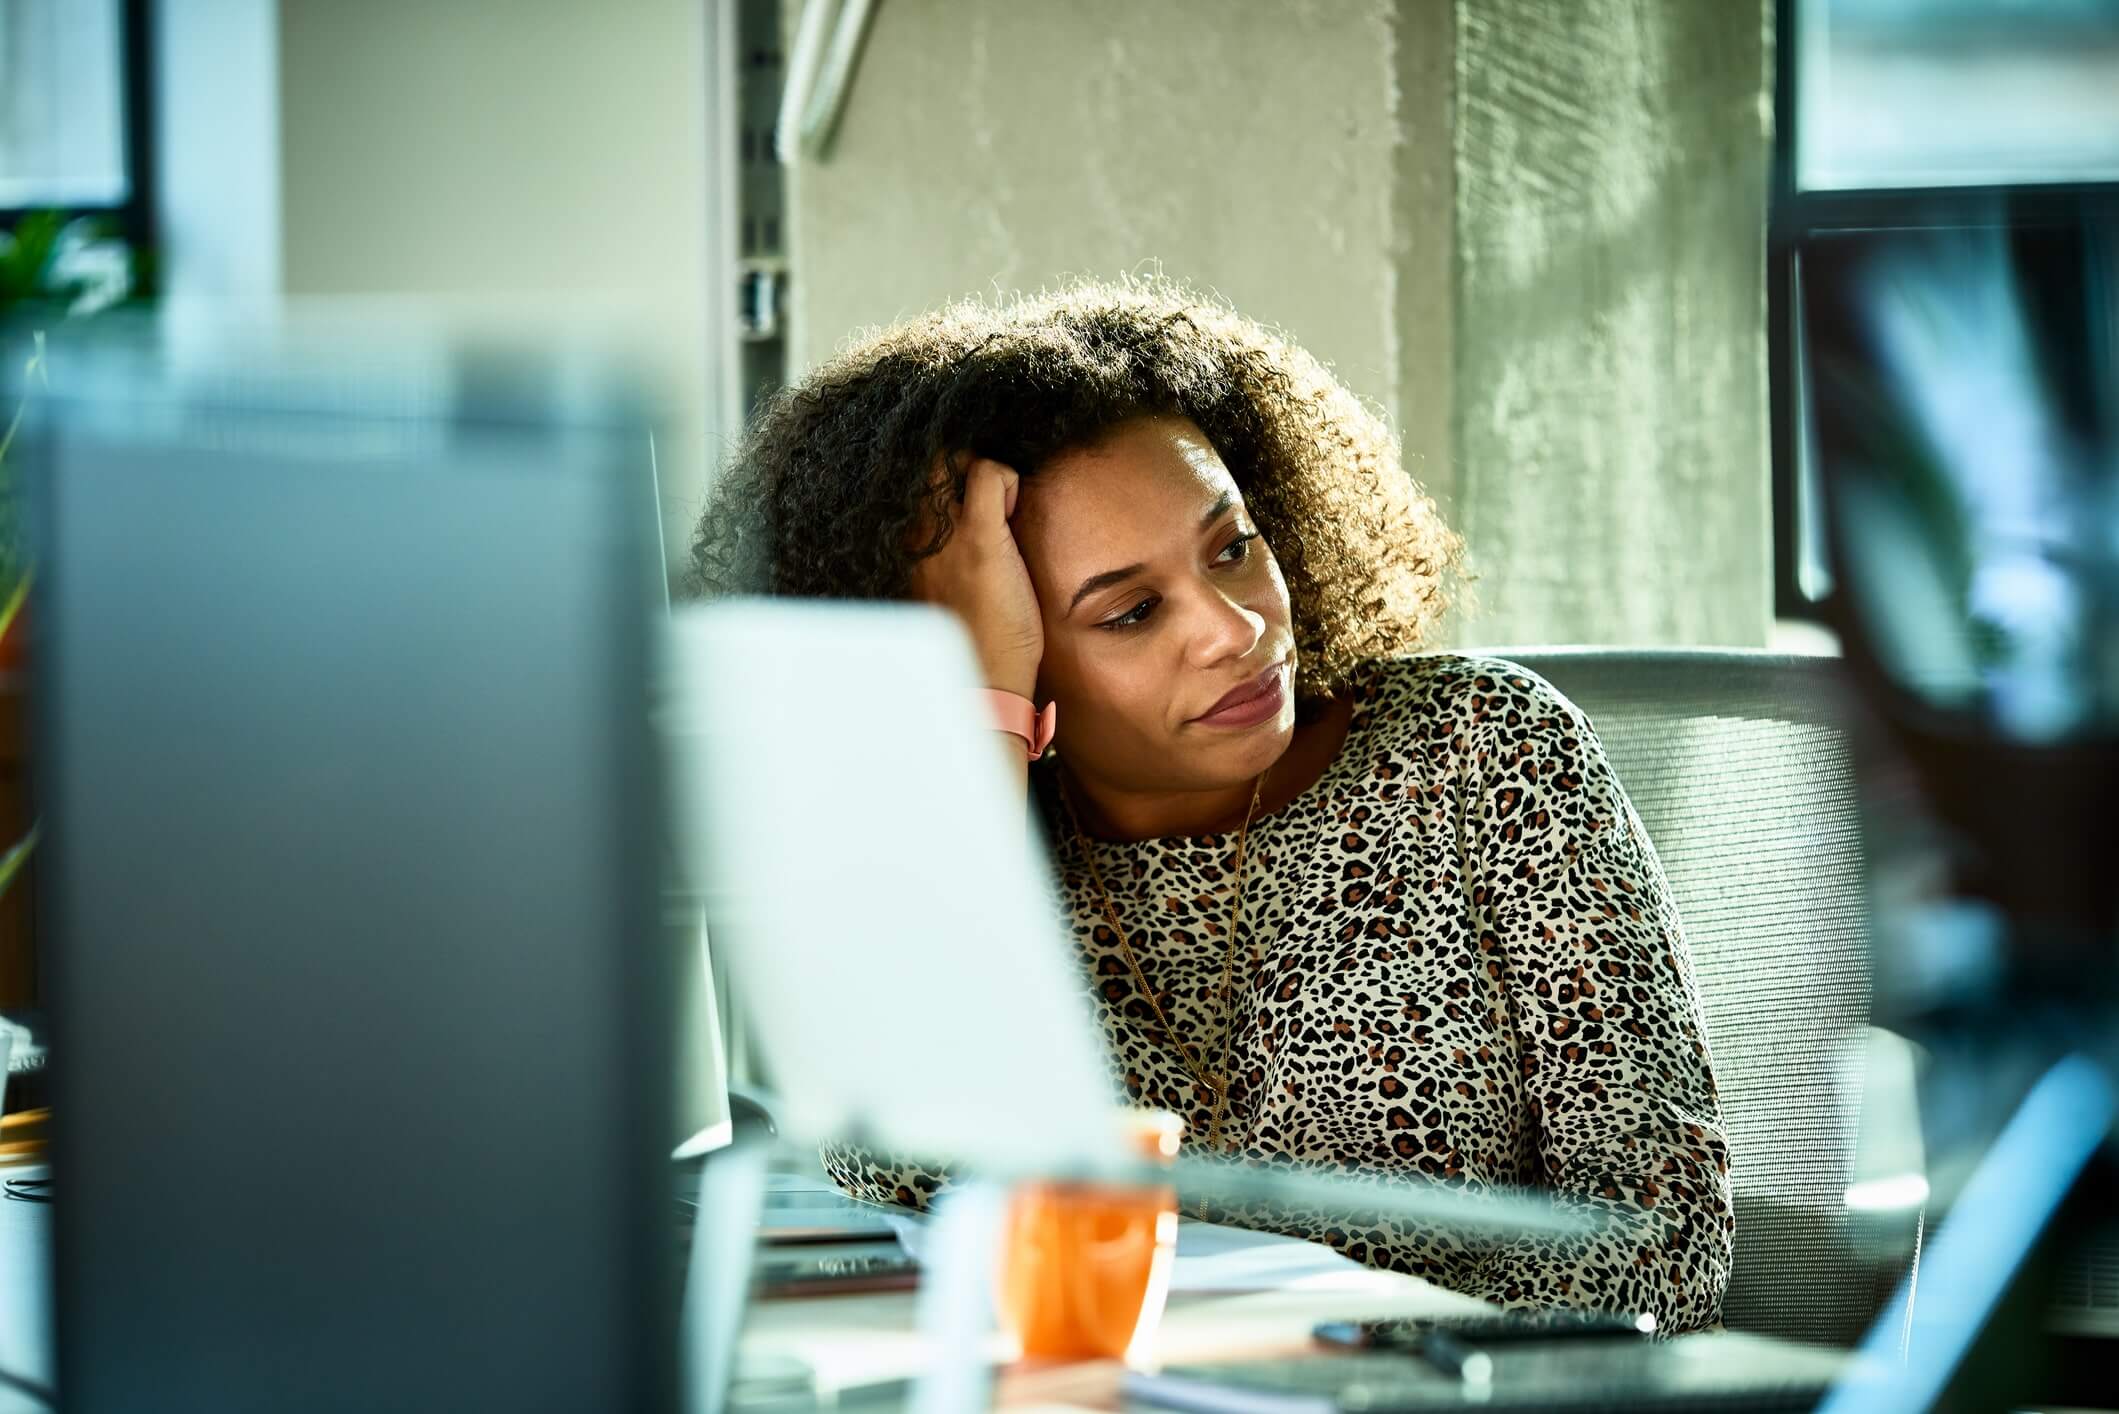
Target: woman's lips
(1248,705)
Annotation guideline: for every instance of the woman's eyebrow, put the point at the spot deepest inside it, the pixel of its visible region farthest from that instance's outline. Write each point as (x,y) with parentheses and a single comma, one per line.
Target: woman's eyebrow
(1102,581)
(1110,577)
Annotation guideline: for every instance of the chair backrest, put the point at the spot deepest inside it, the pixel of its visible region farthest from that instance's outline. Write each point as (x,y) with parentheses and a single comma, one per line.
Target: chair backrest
(1738,765)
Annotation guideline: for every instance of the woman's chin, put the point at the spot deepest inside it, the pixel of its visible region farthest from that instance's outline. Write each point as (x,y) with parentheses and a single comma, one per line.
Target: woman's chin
(1240,756)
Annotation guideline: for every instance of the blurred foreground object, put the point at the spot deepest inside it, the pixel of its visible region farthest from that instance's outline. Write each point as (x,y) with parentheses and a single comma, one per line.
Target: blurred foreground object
(1963,407)
(1960,408)
(350,856)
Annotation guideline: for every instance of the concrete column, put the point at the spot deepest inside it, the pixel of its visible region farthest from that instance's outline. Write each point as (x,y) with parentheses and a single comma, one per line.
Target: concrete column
(1609,352)
(1424,251)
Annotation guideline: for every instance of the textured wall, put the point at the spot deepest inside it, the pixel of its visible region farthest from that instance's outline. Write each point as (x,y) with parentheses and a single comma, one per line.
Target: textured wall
(1610,359)
(1246,146)
(1531,232)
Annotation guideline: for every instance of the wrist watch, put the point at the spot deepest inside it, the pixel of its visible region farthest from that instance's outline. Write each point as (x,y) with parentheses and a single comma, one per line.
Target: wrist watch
(1013,712)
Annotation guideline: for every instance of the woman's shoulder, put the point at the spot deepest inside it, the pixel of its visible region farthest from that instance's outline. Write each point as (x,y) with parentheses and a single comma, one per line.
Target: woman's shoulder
(1462,712)
(1467,691)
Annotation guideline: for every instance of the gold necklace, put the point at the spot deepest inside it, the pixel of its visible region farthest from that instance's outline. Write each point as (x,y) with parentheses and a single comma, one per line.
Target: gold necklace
(1218,1084)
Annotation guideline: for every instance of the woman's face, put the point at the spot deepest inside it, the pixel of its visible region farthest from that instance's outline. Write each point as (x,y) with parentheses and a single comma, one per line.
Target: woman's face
(1160,603)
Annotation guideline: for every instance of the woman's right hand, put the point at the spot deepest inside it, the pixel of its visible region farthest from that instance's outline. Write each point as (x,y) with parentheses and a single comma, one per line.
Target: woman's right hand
(979,575)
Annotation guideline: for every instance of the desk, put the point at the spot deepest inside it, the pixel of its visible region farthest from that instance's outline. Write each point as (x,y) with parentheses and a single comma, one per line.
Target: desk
(849,1340)
(844,1339)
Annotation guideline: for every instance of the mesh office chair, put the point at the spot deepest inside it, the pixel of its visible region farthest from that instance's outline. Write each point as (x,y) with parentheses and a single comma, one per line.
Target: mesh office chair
(1738,765)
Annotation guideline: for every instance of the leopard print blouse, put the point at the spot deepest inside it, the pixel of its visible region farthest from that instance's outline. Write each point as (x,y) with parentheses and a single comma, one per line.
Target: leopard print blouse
(1462,964)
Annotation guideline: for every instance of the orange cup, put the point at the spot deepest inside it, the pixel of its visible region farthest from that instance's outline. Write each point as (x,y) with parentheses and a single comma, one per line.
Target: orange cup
(1085,1268)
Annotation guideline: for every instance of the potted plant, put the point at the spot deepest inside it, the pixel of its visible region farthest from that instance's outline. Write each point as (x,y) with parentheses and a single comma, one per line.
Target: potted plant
(52,269)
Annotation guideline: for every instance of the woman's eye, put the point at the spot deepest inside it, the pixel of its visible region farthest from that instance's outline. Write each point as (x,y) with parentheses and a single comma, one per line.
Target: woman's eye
(1237,550)
(1138,614)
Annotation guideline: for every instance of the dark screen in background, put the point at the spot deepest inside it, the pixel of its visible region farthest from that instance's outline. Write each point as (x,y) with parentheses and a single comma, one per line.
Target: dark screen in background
(1959,412)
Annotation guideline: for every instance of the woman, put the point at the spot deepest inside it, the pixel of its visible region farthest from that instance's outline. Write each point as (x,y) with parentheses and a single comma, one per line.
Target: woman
(1334,902)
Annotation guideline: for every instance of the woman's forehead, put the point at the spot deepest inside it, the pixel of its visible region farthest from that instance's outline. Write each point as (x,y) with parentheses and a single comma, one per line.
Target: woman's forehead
(1144,493)
(1151,467)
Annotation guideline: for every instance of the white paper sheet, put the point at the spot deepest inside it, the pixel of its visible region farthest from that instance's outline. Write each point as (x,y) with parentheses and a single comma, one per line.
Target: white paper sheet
(1214,1258)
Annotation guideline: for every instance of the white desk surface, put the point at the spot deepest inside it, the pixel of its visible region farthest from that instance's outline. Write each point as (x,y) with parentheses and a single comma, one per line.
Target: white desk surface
(847,1340)
(1234,1295)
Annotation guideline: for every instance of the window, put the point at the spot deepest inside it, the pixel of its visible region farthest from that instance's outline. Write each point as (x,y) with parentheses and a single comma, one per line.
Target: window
(1921,117)
(75,120)
(1953,93)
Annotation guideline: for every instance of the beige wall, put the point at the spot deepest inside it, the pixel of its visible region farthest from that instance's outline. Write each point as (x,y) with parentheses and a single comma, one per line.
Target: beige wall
(1530,232)
(536,166)
(1241,145)
(539,163)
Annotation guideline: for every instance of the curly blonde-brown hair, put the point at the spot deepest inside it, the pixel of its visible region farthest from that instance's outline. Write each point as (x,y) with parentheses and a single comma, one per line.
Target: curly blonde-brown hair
(824,495)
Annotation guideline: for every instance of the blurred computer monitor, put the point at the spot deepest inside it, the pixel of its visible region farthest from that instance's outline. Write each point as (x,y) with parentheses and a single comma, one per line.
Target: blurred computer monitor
(1958,386)
(1959,418)
(350,904)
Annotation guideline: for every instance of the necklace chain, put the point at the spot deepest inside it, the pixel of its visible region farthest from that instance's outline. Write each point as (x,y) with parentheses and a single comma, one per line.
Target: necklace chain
(1193,1061)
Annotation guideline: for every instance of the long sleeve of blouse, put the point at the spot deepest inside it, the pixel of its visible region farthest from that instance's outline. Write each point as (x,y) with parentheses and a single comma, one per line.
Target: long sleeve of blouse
(1577,927)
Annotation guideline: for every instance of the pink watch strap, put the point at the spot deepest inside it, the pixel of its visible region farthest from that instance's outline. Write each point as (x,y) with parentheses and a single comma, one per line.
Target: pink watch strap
(1013,712)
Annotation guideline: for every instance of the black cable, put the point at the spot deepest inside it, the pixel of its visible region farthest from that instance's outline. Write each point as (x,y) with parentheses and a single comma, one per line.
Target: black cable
(43,1394)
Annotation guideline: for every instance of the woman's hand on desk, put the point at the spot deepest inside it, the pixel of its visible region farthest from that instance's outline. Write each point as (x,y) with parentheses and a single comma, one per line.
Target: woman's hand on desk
(979,575)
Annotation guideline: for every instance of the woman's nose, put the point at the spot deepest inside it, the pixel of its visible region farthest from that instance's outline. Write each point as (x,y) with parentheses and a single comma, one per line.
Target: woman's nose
(1227,630)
